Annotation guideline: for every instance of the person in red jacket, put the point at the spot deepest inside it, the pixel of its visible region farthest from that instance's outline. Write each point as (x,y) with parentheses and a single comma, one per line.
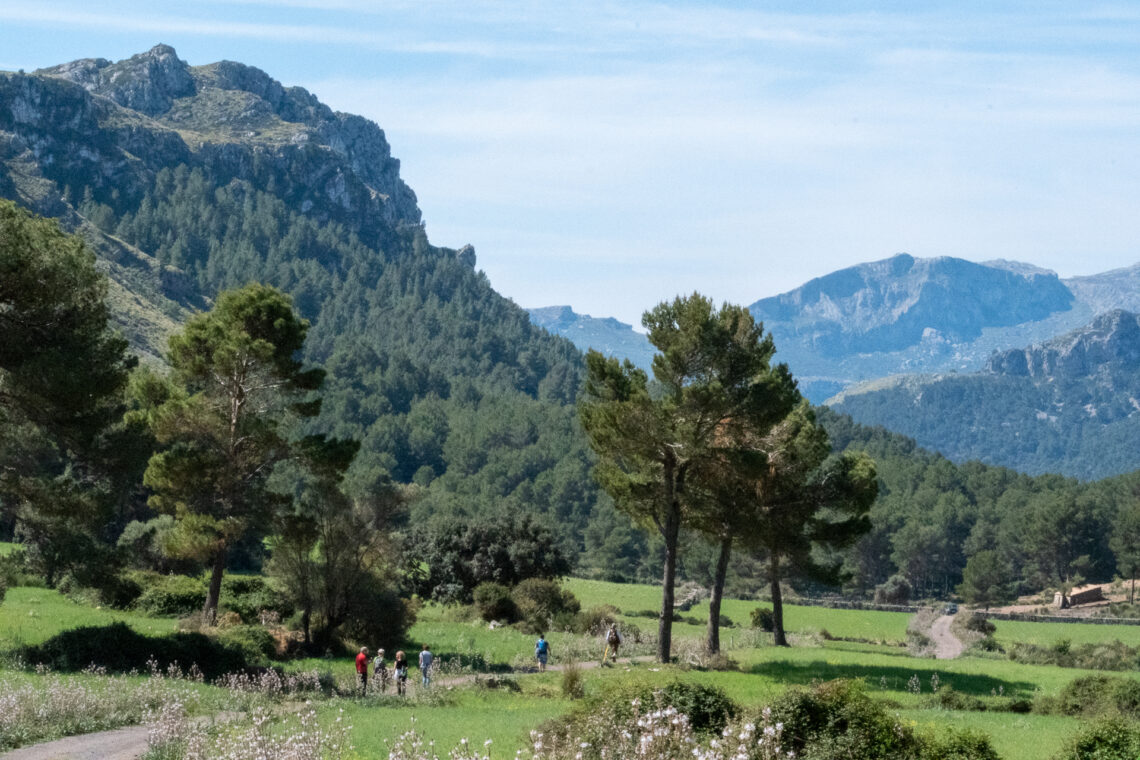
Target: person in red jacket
(362,670)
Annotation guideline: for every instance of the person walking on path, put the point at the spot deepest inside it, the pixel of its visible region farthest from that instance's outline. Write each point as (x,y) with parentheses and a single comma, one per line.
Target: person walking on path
(362,670)
(380,670)
(401,667)
(613,641)
(541,652)
(426,658)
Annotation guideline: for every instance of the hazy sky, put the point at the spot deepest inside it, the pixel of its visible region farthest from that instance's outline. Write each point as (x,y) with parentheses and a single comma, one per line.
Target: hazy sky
(608,155)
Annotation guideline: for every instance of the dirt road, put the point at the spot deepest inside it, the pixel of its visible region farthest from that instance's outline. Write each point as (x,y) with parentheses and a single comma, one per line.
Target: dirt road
(129,743)
(946,644)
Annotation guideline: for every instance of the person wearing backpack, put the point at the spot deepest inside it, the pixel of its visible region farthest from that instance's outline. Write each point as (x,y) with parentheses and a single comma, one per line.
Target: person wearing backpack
(541,652)
(613,641)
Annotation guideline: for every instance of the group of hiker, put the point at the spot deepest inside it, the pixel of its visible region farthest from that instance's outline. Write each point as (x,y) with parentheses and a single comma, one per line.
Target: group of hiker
(381,675)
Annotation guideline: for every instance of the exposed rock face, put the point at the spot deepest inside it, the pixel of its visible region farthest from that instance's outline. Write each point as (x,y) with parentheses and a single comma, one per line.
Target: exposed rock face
(607,335)
(105,130)
(1110,344)
(148,82)
(234,116)
(892,304)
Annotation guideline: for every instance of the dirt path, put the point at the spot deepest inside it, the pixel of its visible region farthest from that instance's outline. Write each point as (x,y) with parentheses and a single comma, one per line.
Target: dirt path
(129,743)
(121,744)
(946,644)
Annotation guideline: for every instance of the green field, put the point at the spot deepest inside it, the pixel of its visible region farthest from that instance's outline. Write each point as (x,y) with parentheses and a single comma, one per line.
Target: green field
(1047,634)
(456,709)
(6,548)
(32,615)
(862,624)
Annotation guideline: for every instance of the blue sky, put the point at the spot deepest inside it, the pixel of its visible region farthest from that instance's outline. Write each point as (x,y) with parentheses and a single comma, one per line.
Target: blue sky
(610,155)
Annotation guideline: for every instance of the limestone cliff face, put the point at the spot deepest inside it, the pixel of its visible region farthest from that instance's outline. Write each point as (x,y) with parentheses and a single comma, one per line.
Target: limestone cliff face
(226,114)
(104,130)
(1110,344)
(894,304)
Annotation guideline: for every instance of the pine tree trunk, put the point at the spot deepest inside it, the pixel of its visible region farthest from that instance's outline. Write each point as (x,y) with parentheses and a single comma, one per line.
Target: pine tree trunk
(210,610)
(712,643)
(1132,596)
(670,531)
(778,637)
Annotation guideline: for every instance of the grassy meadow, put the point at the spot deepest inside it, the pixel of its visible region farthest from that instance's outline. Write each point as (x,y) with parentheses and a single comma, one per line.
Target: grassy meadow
(461,705)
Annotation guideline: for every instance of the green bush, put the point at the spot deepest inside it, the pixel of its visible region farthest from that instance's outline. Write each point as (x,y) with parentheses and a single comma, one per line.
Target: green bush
(1098,696)
(896,590)
(172,595)
(979,624)
(708,707)
(494,602)
(959,745)
(948,699)
(838,720)
(764,619)
(379,618)
(120,649)
(573,685)
(540,601)
(596,620)
(255,643)
(1109,739)
(249,595)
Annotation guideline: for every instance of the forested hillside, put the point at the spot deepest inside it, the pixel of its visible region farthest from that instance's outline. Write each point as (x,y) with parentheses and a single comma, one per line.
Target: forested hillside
(933,516)
(1068,405)
(190,180)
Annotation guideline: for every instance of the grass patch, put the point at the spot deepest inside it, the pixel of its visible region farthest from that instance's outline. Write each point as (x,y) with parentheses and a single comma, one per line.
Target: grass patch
(7,548)
(30,616)
(870,625)
(506,718)
(1015,737)
(1046,634)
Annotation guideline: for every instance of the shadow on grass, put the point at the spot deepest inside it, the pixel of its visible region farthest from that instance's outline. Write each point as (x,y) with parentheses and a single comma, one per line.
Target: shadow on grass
(892,678)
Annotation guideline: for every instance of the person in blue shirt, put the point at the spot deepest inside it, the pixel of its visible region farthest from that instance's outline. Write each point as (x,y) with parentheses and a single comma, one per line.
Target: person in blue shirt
(541,652)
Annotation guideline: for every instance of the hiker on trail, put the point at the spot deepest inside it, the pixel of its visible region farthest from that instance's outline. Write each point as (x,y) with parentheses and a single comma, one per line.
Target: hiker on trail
(380,670)
(425,664)
(613,641)
(541,652)
(401,667)
(362,670)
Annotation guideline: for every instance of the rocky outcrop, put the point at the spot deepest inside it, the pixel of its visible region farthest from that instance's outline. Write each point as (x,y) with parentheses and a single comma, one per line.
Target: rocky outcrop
(148,82)
(1111,343)
(896,303)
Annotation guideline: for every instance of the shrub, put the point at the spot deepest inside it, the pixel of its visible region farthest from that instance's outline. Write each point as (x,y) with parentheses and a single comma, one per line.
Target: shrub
(596,620)
(709,709)
(959,745)
(539,600)
(979,624)
(172,595)
(838,720)
(379,617)
(249,595)
(989,644)
(573,685)
(764,619)
(948,699)
(896,590)
(1098,696)
(494,602)
(1110,739)
(255,643)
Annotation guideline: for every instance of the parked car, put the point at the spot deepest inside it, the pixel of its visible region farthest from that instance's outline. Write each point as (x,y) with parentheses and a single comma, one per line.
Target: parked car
(951,609)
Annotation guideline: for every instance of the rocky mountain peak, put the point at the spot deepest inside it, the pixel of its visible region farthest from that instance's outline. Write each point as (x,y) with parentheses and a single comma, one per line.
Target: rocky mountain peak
(1110,342)
(148,82)
(890,305)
